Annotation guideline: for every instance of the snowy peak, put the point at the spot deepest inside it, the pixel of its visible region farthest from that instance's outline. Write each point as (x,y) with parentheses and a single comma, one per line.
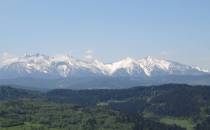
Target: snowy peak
(39,65)
(150,64)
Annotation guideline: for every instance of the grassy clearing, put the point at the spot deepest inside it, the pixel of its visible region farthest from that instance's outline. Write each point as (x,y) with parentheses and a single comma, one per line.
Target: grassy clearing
(185,123)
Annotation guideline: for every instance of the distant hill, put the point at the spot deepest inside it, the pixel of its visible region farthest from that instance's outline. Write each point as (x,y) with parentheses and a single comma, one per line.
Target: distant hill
(179,103)
(184,105)
(23,109)
(10,93)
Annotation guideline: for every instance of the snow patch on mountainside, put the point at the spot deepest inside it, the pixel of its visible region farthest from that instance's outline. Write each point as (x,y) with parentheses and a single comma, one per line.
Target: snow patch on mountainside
(32,65)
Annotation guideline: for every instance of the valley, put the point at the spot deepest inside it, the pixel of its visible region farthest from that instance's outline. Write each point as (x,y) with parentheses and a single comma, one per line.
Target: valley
(164,107)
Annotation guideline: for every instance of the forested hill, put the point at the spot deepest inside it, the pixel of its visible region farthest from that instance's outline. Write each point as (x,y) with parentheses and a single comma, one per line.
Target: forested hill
(165,107)
(9,93)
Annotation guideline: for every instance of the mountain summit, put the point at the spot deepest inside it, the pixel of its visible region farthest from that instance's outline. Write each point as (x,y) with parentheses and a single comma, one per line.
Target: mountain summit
(39,66)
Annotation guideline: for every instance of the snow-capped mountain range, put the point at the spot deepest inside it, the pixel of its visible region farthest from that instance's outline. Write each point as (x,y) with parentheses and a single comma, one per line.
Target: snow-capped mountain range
(63,67)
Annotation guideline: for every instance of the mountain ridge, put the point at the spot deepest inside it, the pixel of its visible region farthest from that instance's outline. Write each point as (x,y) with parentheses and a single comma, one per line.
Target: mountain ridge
(67,66)
(65,71)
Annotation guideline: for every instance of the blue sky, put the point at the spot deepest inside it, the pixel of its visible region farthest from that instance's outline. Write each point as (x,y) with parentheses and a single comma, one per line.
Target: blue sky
(113,29)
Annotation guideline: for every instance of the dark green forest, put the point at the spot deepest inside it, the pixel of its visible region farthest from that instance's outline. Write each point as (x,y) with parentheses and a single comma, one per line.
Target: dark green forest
(164,107)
